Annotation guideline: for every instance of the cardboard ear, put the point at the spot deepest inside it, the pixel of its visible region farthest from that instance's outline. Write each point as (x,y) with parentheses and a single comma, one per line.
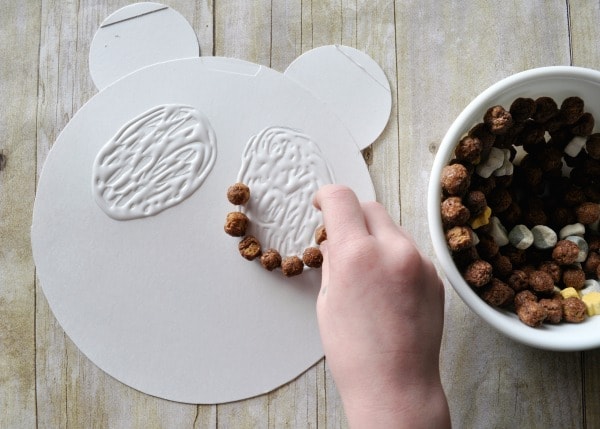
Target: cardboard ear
(137,36)
(351,83)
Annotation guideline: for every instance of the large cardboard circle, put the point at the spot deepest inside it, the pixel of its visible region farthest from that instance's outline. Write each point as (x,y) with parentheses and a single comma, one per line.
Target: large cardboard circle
(165,303)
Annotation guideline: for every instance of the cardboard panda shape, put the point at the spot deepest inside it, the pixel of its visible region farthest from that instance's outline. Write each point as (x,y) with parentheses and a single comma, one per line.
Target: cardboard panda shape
(128,220)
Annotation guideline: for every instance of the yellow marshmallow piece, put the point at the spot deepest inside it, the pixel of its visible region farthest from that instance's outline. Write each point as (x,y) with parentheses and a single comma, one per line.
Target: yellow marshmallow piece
(592,302)
(569,292)
(482,219)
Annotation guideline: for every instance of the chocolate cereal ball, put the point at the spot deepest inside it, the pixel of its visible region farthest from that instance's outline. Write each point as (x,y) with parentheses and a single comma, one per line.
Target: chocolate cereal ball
(565,252)
(270,259)
(571,109)
(524,296)
(498,120)
(236,224)
(574,310)
(249,248)
(554,309)
(292,266)
(320,234)
(238,194)
(454,212)
(587,213)
(518,280)
(475,201)
(469,149)
(573,277)
(532,313)
(459,238)
(455,179)
(312,257)
(497,293)
(553,269)
(541,282)
(478,273)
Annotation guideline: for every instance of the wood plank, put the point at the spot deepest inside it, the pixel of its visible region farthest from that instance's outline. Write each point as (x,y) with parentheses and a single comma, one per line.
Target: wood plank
(19,29)
(243,30)
(445,58)
(585,38)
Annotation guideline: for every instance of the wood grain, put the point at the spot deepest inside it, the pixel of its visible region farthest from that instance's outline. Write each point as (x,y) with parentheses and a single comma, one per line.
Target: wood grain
(437,57)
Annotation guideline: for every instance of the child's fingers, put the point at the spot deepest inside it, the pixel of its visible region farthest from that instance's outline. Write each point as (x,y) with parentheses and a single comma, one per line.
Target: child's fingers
(378,221)
(342,214)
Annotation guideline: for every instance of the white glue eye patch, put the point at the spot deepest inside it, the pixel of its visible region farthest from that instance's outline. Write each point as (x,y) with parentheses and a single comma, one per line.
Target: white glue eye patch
(154,162)
(283,169)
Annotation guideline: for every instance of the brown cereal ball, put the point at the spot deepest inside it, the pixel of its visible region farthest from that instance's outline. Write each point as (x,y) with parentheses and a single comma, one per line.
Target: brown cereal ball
(561,216)
(475,201)
(590,266)
(502,266)
(573,277)
(455,179)
(236,224)
(249,248)
(587,213)
(554,309)
(291,266)
(478,273)
(497,293)
(574,310)
(499,199)
(553,269)
(522,109)
(512,215)
(320,234)
(312,257)
(541,282)
(454,212)
(498,120)
(483,184)
(523,296)
(464,257)
(532,313)
(469,149)
(486,138)
(593,242)
(584,125)
(238,194)
(517,256)
(592,146)
(545,108)
(518,280)
(270,259)
(571,109)
(565,252)
(487,246)
(459,238)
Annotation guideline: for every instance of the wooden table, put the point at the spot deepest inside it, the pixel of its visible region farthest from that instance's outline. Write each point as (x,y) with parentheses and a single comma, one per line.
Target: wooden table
(437,57)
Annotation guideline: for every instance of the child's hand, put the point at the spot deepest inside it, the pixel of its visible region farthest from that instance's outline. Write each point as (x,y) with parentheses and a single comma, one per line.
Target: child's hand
(380,313)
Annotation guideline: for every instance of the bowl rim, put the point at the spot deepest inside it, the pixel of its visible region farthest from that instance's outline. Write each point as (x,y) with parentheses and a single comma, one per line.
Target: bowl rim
(497,318)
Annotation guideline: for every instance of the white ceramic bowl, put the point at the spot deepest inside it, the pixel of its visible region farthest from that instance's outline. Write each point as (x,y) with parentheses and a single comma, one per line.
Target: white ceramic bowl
(557,82)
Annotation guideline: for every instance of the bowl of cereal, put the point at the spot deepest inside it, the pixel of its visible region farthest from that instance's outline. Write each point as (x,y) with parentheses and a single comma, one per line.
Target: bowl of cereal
(514,207)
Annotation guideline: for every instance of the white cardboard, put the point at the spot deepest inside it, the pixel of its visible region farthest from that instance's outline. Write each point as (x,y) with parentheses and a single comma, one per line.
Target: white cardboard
(136,36)
(341,75)
(165,303)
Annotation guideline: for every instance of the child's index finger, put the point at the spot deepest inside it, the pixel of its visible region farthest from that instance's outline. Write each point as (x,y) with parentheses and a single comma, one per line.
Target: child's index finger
(342,213)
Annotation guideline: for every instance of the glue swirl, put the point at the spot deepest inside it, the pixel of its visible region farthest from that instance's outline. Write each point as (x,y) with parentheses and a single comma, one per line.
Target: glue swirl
(154,162)
(283,168)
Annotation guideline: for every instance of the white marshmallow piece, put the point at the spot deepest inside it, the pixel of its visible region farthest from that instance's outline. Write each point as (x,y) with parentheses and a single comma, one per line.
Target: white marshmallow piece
(498,232)
(575,146)
(573,229)
(491,164)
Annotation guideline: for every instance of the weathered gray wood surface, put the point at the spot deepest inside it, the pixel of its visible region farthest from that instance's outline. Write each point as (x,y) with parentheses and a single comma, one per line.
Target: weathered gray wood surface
(437,56)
